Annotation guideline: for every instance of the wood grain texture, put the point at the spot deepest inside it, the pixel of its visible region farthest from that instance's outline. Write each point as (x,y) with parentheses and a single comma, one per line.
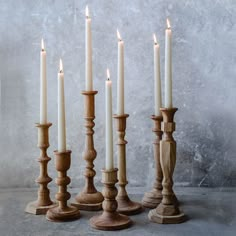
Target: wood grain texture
(110,219)
(43,203)
(89,199)
(167,212)
(125,205)
(153,198)
(63,212)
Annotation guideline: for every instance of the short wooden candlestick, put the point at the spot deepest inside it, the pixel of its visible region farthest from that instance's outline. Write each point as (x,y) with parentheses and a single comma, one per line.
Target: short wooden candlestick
(89,199)
(167,212)
(125,205)
(110,219)
(153,198)
(43,203)
(63,212)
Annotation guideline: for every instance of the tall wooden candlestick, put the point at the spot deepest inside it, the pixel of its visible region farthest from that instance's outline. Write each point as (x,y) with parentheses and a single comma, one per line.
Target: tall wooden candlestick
(110,219)
(89,199)
(167,212)
(63,212)
(43,203)
(125,205)
(153,198)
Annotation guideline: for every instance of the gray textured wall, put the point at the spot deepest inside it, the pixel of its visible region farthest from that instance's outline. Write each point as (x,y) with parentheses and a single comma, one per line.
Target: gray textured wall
(204,84)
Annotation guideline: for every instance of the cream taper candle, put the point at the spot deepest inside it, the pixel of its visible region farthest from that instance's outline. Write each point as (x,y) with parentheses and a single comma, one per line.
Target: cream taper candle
(120,76)
(157,78)
(43,85)
(168,67)
(61,111)
(88,53)
(109,127)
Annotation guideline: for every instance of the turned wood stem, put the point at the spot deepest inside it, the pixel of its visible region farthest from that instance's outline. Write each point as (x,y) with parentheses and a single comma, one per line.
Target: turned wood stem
(43,179)
(89,153)
(121,153)
(157,130)
(62,162)
(109,191)
(168,154)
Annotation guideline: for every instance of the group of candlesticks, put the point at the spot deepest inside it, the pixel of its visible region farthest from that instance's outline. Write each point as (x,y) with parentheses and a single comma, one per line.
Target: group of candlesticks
(116,205)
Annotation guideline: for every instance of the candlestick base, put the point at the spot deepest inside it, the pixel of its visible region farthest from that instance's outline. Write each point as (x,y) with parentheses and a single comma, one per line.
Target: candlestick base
(34,208)
(110,219)
(57,214)
(152,199)
(166,214)
(128,207)
(89,201)
(63,212)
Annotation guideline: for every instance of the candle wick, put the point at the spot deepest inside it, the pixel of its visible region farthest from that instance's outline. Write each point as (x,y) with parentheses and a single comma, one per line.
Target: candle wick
(108,79)
(60,71)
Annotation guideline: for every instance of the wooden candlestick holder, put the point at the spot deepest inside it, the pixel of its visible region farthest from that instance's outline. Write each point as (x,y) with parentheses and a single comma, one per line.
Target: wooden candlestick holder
(63,212)
(43,203)
(110,219)
(125,205)
(89,199)
(167,212)
(153,198)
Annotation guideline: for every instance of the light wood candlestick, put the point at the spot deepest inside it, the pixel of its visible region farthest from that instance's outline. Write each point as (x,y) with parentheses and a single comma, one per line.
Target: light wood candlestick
(167,212)
(43,203)
(63,212)
(110,219)
(153,198)
(125,205)
(89,199)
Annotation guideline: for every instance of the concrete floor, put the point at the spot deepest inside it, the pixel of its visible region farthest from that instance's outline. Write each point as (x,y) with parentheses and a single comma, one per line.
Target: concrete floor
(210,212)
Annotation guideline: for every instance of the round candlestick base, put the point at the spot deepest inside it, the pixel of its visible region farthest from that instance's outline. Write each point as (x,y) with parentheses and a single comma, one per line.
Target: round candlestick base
(128,207)
(152,199)
(57,214)
(89,201)
(110,221)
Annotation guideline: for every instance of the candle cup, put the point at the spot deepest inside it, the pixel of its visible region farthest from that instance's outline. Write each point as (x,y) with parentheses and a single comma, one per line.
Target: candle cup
(167,212)
(89,199)
(43,203)
(125,205)
(63,212)
(110,219)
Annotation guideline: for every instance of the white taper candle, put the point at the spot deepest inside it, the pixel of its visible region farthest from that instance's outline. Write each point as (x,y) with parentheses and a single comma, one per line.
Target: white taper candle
(120,76)
(157,78)
(61,111)
(168,67)
(88,53)
(109,127)
(43,85)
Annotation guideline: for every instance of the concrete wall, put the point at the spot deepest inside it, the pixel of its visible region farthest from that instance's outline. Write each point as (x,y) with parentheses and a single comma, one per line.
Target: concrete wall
(204,84)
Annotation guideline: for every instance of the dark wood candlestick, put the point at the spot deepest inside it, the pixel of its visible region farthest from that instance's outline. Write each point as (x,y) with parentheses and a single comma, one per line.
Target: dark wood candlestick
(63,212)
(153,198)
(167,212)
(110,219)
(43,203)
(89,199)
(125,205)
